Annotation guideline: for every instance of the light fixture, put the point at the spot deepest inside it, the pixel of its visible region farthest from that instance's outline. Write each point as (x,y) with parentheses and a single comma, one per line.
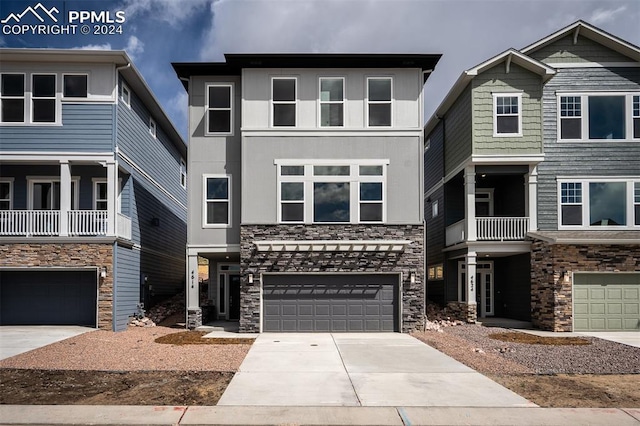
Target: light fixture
(250,278)
(566,278)
(412,277)
(103,272)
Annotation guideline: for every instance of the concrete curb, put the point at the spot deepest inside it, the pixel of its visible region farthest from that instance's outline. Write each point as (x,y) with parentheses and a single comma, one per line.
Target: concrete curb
(242,415)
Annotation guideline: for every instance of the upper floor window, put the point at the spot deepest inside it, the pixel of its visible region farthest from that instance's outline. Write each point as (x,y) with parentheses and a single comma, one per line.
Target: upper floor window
(284,101)
(331,102)
(219,109)
(599,203)
(183,174)
(6,194)
(43,98)
(152,127)
(217,206)
(100,194)
(435,209)
(379,101)
(74,86)
(332,193)
(126,95)
(12,96)
(598,116)
(507,117)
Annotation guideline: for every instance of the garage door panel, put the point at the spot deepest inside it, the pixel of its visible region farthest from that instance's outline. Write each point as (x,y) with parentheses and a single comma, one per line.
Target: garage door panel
(606,302)
(335,302)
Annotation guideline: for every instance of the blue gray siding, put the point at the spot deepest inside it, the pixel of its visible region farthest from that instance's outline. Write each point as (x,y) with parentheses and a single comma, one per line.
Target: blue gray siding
(583,159)
(127,289)
(85,128)
(434,157)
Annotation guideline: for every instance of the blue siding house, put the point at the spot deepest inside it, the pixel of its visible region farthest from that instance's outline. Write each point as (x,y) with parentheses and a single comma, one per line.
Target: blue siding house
(92,190)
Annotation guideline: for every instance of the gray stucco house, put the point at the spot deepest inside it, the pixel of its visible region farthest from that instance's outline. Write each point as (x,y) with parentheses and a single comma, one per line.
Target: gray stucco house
(532,186)
(92,190)
(305,190)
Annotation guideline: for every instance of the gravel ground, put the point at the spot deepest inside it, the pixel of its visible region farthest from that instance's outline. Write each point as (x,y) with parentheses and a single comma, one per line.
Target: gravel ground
(472,345)
(131,350)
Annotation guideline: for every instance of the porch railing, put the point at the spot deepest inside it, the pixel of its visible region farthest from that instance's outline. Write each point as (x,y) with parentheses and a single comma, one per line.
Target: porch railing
(29,222)
(454,233)
(87,222)
(123,226)
(501,228)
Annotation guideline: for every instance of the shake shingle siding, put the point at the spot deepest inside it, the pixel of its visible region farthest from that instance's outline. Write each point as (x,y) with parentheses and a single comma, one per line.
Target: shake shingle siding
(565,51)
(459,132)
(581,159)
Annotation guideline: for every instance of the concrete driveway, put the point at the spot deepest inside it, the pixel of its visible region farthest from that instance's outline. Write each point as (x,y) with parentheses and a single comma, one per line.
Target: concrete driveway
(17,339)
(631,338)
(386,369)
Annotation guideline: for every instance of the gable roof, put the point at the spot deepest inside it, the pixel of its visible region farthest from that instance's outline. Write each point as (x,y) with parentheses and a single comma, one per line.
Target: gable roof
(593,33)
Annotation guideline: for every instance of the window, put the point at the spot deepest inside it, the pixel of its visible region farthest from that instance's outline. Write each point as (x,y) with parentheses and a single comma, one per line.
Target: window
(12,97)
(484,202)
(322,193)
(100,195)
(331,102)
(45,193)
(427,145)
(43,98)
(217,201)
(435,272)
(507,120)
(284,101)
(599,116)
(152,127)
(74,86)
(183,174)
(219,107)
(379,101)
(434,209)
(6,194)
(600,203)
(126,96)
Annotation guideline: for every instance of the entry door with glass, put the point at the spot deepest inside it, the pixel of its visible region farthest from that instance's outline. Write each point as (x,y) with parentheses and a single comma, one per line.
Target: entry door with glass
(229,292)
(484,286)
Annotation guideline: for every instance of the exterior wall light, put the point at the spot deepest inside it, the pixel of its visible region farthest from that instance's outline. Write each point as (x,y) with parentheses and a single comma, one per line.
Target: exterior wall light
(412,277)
(250,278)
(103,272)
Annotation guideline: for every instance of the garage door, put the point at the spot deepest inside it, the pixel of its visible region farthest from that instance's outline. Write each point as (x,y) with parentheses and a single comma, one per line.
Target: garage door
(48,298)
(606,302)
(330,303)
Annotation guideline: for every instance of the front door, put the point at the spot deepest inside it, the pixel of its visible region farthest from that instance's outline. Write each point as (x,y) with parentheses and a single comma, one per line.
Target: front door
(229,291)
(484,293)
(234,297)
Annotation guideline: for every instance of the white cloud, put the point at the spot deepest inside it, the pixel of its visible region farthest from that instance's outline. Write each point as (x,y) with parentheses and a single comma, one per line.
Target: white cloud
(177,108)
(602,16)
(105,46)
(134,47)
(170,11)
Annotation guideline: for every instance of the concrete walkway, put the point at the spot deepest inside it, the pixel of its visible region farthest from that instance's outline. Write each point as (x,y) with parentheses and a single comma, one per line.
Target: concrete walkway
(401,416)
(350,369)
(17,339)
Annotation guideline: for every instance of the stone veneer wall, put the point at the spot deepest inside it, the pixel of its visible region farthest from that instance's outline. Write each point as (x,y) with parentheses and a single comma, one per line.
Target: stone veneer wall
(551,297)
(462,311)
(410,260)
(74,255)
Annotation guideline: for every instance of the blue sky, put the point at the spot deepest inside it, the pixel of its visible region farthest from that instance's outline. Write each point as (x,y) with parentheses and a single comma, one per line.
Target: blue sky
(467,32)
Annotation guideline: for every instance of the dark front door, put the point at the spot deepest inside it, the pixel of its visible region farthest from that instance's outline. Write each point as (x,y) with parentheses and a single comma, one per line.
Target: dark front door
(234,297)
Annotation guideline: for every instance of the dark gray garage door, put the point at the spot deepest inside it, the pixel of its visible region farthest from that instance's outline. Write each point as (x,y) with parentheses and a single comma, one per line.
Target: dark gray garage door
(48,298)
(330,303)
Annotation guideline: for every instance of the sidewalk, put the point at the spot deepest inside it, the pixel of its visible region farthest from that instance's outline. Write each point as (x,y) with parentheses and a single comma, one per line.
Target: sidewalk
(241,415)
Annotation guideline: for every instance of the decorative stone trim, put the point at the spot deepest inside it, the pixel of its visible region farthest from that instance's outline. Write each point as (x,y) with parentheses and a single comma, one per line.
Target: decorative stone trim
(194,318)
(462,311)
(256,262)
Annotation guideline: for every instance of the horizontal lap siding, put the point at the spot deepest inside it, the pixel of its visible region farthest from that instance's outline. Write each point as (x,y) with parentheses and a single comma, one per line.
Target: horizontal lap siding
(582,159)
(434,157)
(85,128)
(127,292)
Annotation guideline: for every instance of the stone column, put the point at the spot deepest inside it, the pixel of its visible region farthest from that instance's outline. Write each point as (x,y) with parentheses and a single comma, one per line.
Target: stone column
(470,203)
(65,197)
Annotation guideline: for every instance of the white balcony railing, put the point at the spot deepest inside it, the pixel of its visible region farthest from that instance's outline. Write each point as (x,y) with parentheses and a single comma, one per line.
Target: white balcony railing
(123,226)
(501,228)
(87,222)
(29,222)
(454,233)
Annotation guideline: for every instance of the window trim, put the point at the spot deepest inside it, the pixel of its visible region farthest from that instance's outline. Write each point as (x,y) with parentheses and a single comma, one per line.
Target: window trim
(321,102)
(584,118)
(95,183)
(125,99)
(183,173)
(294,102)
(10,199)
(497,95)
(630,183)
(228,200)
(84,98)
(390,102)
(435,272)
(435,209)
(231,87)
(281,201)
(153,128)
(25,101)
(55,98)
(31,180)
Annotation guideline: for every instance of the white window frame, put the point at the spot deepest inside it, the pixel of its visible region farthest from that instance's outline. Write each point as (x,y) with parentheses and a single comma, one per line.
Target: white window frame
(74,97)
(517,95)
(488,199)
(321,102)
(25,101)
(584,108)
(10,199)
(290,179)
(230,109)
(629,200)
(636,201)
(353,179)
(228,200)
(153,128)
(96,182)
(31,180)
(126,98)
(57,115)
(435,209)
(390,102)
(183,173)
(635,114)
(272,103)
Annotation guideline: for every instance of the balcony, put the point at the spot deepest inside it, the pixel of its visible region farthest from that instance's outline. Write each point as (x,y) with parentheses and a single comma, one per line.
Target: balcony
(490,229)
(47,223)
